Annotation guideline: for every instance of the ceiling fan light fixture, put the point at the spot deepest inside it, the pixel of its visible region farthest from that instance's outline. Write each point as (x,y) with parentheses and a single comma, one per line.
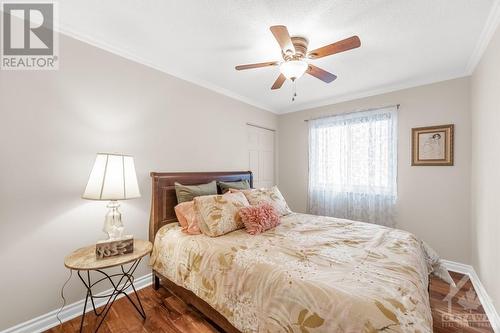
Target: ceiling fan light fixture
(296,56)
(293,69)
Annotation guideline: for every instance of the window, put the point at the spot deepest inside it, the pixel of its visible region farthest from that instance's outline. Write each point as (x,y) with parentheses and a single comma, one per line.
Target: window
(353,165)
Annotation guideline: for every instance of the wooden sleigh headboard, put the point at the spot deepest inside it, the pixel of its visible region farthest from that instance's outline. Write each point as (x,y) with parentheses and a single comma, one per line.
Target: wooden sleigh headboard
(164,200)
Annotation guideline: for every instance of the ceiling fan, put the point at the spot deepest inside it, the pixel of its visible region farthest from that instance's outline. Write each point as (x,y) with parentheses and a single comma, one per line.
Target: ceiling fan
(295,56)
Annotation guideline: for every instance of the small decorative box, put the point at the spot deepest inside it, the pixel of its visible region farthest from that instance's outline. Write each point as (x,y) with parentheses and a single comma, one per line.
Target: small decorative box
(115,247)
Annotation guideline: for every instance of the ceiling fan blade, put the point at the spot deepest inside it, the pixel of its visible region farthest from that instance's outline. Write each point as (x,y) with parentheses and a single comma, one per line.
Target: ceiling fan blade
(261,64)
(279,82)
(281,34)
(340,46)
(321,74)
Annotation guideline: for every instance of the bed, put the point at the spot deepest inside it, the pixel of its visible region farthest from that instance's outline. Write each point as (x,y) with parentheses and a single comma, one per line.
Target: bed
(309,274)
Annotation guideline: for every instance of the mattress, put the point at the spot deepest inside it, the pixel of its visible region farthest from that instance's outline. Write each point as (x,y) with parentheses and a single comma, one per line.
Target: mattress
(309,274)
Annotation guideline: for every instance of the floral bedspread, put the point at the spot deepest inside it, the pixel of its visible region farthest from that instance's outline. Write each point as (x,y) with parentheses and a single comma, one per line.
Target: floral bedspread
(309,274)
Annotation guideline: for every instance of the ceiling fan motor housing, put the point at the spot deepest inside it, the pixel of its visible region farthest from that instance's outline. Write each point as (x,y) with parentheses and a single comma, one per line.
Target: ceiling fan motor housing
(300,44)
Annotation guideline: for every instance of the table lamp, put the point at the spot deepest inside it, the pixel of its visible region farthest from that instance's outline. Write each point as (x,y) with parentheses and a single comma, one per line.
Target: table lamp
(112,178)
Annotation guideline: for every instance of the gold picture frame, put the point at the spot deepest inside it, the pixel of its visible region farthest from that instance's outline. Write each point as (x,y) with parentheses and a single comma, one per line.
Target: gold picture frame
(432,145)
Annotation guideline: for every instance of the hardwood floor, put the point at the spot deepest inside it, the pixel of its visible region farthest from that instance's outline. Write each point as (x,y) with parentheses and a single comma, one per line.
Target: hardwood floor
(467,313)
(166,313)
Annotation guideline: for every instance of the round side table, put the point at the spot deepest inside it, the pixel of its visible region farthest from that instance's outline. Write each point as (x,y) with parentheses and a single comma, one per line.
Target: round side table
(84,261)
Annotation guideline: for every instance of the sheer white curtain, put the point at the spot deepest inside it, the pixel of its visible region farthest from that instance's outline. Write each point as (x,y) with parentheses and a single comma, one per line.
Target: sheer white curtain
(353,166)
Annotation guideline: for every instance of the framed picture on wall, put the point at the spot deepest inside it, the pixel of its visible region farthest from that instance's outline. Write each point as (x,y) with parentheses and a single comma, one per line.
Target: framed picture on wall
(432,145)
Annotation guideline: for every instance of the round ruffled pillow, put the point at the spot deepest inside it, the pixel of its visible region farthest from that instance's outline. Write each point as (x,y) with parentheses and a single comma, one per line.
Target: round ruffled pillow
(259,218)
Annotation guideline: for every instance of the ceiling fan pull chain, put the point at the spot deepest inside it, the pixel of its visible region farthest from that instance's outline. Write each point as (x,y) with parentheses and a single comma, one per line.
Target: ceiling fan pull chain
(294,90)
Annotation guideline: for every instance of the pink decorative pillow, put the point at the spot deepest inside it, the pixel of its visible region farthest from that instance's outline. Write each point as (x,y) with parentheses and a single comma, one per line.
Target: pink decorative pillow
(188,219)
(259,218)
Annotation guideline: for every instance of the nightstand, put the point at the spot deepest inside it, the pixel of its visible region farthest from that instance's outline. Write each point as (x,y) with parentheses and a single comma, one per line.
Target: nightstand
(84,261)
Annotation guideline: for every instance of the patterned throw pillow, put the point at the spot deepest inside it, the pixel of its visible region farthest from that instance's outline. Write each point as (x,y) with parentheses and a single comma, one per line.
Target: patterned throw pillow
(271,195)
(218,214)
(259,218)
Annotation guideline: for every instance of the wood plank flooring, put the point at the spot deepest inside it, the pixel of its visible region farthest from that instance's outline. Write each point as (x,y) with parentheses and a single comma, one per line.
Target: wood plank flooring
(467,313)
(168,314)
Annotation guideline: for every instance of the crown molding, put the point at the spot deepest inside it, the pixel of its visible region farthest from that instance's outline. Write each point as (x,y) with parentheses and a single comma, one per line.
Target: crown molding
(135,58)
(371,92)
(300,107)
(132,57)
(489,29)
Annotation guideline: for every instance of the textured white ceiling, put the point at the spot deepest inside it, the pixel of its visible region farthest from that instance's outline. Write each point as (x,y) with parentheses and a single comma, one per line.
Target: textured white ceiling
(404,42)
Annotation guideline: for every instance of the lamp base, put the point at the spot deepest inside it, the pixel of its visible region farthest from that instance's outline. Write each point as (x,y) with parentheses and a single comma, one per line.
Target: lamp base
(113,225)
(116,244)
(110,248)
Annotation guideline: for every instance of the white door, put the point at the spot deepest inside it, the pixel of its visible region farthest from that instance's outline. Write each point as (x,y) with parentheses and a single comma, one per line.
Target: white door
(261,156)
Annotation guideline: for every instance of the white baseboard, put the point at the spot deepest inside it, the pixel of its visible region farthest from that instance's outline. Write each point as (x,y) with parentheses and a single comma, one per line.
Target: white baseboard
(483,296)
(49,320)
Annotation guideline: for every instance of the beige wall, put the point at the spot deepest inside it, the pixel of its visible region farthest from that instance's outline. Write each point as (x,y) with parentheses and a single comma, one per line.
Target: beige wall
(433,202)
(485,110)
(53,123)
(51,126)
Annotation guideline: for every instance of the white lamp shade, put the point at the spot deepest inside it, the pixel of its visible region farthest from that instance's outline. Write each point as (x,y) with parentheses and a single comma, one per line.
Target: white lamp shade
(112,178)
(293,69)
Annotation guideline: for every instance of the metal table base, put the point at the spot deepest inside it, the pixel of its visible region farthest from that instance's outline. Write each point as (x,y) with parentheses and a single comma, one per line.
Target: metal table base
(126,280)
